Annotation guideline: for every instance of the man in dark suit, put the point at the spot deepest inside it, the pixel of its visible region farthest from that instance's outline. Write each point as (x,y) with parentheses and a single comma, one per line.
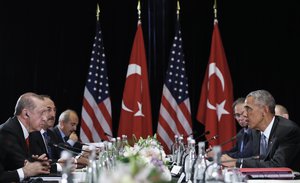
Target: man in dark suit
(65,130)
(243,147)
(276,140)
(66,136)
(30,114)
(40,140)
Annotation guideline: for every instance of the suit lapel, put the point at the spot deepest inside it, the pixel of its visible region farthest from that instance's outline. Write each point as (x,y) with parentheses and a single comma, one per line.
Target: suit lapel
(17,130)
(272,138)
(256,142)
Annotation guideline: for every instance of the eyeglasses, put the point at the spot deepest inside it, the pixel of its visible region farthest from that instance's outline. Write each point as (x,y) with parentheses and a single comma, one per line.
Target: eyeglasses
(238,115)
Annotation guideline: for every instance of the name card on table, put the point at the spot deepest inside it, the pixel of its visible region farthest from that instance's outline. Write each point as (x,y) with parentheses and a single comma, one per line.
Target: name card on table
(176,170)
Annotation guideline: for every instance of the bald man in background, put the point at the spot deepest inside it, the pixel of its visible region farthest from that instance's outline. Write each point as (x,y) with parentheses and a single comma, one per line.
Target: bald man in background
(280,110)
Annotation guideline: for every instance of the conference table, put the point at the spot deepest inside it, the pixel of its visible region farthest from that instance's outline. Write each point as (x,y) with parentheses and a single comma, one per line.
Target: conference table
(79,177)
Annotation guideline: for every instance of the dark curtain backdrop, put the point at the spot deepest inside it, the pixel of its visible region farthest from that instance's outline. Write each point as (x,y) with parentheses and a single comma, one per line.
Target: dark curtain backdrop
(45,47)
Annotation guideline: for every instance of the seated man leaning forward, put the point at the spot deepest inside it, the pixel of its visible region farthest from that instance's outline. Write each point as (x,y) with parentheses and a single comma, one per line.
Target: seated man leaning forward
(276,141)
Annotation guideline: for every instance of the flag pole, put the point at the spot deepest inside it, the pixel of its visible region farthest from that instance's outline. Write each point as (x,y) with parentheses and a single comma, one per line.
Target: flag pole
(97,12)
(178,9)
(139,11)
(215,11)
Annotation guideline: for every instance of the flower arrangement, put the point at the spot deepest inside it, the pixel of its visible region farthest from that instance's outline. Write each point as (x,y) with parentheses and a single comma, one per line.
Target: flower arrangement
(144,162)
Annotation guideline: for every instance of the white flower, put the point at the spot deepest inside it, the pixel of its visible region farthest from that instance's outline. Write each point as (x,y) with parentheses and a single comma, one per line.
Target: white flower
(142,163)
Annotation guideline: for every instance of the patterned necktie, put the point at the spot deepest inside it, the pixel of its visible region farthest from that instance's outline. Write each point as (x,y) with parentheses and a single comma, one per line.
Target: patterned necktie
(263,146)
(47,140)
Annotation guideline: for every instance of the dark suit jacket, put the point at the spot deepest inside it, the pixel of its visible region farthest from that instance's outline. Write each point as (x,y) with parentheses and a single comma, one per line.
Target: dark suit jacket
(283,146)
(13,151)
(235,152)
(38,147)
(75,148)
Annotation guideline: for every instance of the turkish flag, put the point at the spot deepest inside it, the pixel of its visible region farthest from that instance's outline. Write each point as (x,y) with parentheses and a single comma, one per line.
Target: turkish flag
(136,118)
(215,106)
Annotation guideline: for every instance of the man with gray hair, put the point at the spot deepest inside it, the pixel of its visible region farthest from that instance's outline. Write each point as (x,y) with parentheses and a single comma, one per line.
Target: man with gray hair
(66,128)
(29,116)
(276,140)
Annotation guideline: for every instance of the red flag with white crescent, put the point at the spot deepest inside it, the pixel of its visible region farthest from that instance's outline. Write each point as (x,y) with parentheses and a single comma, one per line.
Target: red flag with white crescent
(215,106)
(136,118)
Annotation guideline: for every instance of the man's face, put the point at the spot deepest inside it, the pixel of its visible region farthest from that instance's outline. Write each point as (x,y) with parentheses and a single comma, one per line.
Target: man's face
(240,115)
(51,113)
(255,113)
(38,116)
(71,125)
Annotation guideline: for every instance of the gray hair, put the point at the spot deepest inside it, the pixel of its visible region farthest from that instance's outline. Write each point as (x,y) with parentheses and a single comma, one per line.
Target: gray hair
(26,101)
(263,97)
(240,100)
(65,116)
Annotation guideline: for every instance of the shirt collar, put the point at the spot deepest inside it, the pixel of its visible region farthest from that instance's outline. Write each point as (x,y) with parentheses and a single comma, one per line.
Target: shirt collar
(61,133)
(267,131)
(25,131)
(42,131)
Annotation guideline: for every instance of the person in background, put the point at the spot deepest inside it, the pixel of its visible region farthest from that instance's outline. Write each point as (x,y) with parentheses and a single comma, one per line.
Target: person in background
(276,140)
(65,133)
(66,129)
(243,147)
(280,110)
(29,116)
(40,140)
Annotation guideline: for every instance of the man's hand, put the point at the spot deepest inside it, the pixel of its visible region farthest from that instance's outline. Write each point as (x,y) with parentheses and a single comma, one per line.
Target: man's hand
(42,157)
(35,168)
(228,161)
(63,162)
(82,162)
(73,136)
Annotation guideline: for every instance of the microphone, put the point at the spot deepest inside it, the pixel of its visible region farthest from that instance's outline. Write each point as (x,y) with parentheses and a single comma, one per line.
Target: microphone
(63,146)
(224,143)
(109,135)
(192,133)
(213,138)
(229,140)
(205,133)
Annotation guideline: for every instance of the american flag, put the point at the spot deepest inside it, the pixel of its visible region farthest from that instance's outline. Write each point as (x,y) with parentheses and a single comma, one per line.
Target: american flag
(175,113)
(96,110)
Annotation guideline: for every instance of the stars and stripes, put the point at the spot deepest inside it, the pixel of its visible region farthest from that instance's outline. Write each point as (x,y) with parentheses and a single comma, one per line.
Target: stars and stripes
(96,109)
(175,113)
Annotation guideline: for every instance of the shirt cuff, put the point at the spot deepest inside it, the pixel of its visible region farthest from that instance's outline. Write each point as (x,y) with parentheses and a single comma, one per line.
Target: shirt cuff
(239,163)
(58,167)
(71,142)
(21,174)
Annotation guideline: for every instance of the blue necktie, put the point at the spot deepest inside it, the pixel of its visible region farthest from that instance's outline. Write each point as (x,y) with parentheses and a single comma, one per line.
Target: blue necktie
(263,146)
(47,140)
(244,141)
(66,138)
